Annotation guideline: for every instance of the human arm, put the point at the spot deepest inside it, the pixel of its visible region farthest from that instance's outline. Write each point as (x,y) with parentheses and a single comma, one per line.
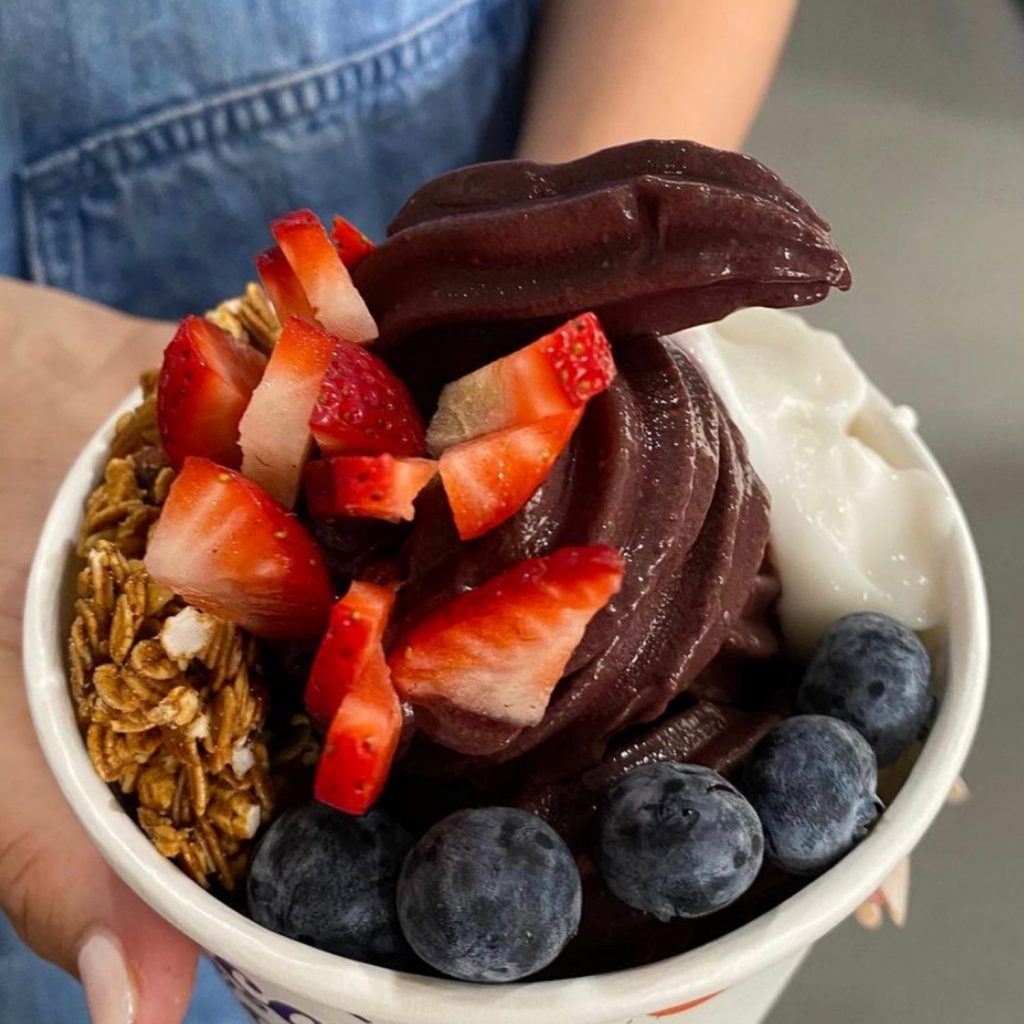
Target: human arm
(67,363)
(611,71)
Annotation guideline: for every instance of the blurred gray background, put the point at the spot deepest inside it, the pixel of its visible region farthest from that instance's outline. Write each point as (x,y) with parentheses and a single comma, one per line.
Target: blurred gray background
(903,121)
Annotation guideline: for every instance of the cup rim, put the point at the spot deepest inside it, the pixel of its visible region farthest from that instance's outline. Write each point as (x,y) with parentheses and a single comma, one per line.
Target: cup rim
(365,989)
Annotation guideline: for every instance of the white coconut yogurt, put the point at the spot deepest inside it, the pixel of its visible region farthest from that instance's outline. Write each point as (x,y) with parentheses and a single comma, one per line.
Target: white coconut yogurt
(849,530)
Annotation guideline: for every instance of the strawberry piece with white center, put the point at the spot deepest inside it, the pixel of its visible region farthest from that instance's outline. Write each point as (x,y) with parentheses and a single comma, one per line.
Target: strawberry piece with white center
(499,651)
(489,479)
(206,380)
(372,486)
(364,409)
(283,287)
(355,631)
(557,373)
(351,243)
(337,304)
(275,437)
(361,741)
(228,548)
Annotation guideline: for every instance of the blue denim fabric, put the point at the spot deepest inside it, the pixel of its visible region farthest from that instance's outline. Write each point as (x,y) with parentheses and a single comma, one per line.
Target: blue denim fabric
(144,145)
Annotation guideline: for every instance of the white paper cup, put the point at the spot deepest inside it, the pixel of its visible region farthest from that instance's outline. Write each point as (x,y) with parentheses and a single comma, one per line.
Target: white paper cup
(277,979)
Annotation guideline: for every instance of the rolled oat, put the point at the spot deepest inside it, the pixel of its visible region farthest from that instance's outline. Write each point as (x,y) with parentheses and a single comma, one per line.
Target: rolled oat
(168,698)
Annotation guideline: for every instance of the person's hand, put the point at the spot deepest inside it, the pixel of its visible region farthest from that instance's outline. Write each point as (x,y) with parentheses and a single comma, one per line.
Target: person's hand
(66,364)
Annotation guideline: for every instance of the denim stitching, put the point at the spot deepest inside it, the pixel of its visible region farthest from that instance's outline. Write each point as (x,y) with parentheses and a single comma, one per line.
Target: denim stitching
(284,90)
(233,113)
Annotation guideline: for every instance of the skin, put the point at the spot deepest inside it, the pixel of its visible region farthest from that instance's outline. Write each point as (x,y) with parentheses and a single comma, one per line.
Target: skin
(67,363)
(611,71)
(606,72)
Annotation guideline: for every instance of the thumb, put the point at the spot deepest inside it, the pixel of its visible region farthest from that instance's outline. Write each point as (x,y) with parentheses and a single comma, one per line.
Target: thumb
(66,903)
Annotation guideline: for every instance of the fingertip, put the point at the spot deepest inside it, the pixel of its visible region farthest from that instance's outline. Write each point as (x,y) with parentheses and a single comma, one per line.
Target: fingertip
(110,990)
(162,964)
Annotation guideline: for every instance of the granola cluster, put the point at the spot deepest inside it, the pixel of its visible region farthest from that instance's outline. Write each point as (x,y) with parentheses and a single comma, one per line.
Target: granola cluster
(121,510)
(250,317)
(171,714)
(168,697)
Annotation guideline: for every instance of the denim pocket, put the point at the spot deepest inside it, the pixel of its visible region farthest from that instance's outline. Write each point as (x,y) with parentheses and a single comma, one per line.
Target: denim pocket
(161,216)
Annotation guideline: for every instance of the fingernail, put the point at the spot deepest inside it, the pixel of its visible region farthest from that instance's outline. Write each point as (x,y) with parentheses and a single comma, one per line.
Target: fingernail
(109,989)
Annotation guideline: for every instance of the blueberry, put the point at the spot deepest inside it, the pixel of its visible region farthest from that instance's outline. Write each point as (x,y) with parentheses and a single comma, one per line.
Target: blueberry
(872,672)
(328,879)
(677,840)
(489,894)
(812,782)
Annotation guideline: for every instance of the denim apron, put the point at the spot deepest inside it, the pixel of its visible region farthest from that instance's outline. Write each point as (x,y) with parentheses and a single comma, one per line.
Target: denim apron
(144,145)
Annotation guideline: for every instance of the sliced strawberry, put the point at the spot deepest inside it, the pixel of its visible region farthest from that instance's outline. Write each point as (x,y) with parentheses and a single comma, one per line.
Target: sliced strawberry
(557,373)
(351,243)
(326,282)
(205,383)
(350,687)
(282,286)
(364,409)
(354,633)
(227,547)
(374,486)
(499,650)
(361,741)
(489,479)
(275,434)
